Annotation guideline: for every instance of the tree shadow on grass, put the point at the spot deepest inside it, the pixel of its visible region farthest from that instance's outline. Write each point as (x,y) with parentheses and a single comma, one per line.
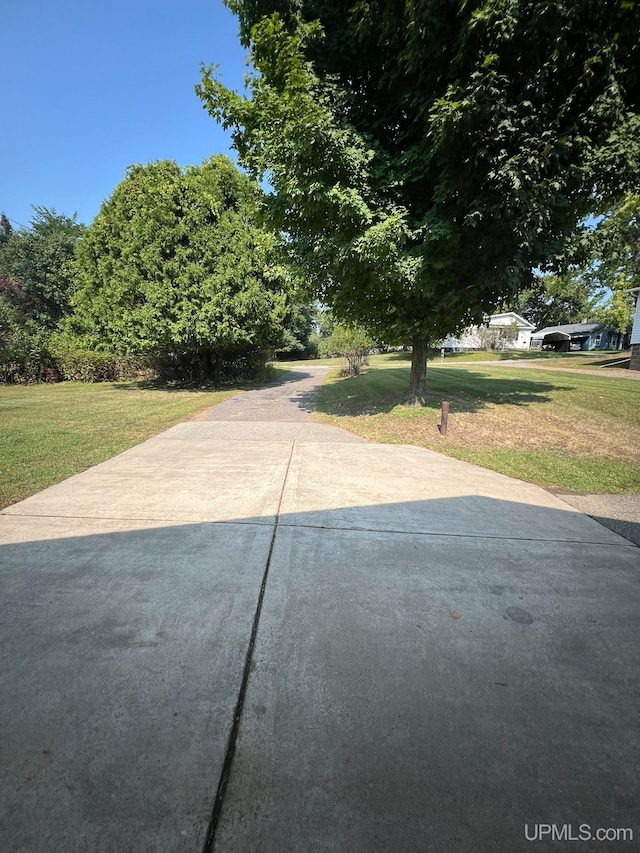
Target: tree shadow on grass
(380,391)
(275,376)
(400,357)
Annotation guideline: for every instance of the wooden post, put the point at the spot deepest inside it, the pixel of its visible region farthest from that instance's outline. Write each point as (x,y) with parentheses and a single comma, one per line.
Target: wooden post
(444,417)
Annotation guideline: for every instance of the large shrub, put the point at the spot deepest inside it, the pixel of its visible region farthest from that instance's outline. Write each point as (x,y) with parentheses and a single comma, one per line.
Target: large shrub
(174,268)
(352,344)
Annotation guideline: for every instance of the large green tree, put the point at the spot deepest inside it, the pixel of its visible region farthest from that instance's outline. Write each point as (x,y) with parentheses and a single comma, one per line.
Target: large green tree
(597,288)
(174,266)
(426,155)
(553,300)
(615,261)
(297,336)
(40,262)
(36,279)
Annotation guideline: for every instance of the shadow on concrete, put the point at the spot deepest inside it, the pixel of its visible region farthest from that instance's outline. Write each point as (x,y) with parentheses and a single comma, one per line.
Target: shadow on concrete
(285,378)
(253,385)
(408,691)
(623,527)
(304,400)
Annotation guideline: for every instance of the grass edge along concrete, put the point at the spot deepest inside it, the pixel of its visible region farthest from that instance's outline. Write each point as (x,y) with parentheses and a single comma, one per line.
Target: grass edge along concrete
(563,431)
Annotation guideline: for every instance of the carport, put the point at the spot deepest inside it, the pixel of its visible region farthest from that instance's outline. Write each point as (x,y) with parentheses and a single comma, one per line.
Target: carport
(572,336)
(561,341)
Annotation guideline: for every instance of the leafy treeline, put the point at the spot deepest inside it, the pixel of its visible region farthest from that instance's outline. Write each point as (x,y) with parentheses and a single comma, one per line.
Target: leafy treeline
(596,289)
(37,269)
(427,155)
(174,267)
(174,274)
(101,317)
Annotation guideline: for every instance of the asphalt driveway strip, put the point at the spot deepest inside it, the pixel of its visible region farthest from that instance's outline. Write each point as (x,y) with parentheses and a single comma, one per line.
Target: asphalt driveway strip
(620,513)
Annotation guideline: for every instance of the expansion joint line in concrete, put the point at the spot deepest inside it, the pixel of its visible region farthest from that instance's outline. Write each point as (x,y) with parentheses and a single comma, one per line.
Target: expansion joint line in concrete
(237,716)
(433,533)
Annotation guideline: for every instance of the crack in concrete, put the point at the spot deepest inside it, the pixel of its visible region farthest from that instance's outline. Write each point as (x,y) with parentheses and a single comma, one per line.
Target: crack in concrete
(233,734)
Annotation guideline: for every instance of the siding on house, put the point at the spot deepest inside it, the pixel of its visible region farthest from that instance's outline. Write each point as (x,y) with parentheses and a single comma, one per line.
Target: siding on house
(635,332)
(512,320)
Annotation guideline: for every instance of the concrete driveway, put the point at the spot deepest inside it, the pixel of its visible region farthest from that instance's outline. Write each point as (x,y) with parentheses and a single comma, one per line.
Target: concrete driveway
(256,633)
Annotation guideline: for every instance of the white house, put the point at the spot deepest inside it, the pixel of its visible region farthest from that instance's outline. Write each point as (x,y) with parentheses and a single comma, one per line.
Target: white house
(515,333)
(521,339)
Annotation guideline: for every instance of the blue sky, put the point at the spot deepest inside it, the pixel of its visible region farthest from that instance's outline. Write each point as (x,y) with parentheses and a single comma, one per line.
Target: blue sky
(91,86)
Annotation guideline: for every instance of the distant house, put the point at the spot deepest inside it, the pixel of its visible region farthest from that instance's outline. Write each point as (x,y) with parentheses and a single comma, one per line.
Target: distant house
(635,331)
(577,336)
(522,329)
(500,331)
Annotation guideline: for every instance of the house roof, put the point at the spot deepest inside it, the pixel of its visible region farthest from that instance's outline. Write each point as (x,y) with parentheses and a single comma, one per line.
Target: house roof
(572,329)
(522,323)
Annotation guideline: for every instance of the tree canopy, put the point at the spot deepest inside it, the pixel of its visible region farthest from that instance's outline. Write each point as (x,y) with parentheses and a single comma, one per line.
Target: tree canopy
(615,262)
(40,262)
(36,279)
(174,266)
(425,156)
(553,300)
(617,244)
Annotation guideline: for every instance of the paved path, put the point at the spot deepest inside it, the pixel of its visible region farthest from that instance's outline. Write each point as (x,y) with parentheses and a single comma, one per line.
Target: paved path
(620,513)
(536,364)
(343,646)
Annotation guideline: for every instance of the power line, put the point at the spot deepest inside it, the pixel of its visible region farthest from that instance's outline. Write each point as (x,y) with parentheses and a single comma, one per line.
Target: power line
(15,221)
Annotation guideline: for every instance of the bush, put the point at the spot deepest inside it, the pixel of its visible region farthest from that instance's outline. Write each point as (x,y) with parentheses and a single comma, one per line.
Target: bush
(352,344)
(63,358)
(82,365)
(24,356)
(20,371)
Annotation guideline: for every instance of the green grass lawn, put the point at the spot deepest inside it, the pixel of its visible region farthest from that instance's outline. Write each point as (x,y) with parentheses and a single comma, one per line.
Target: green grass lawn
(559,359)
(563,431)
(52,431)
(393,359)
(591,360)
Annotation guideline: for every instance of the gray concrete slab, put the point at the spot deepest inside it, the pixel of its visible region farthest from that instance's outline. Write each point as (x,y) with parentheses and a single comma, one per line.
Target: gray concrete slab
(187,480)
(285,432)
(406,489)
(434,693)
(123,648)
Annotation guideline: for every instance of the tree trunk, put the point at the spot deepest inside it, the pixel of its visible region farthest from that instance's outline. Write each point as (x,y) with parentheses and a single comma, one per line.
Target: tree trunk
(417,381)
(205,366)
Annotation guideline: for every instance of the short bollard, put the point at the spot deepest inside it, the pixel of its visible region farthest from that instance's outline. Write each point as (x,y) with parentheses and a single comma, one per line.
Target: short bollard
(444,417)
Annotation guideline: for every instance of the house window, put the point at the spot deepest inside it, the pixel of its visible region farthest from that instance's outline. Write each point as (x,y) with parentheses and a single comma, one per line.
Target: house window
(597,340)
